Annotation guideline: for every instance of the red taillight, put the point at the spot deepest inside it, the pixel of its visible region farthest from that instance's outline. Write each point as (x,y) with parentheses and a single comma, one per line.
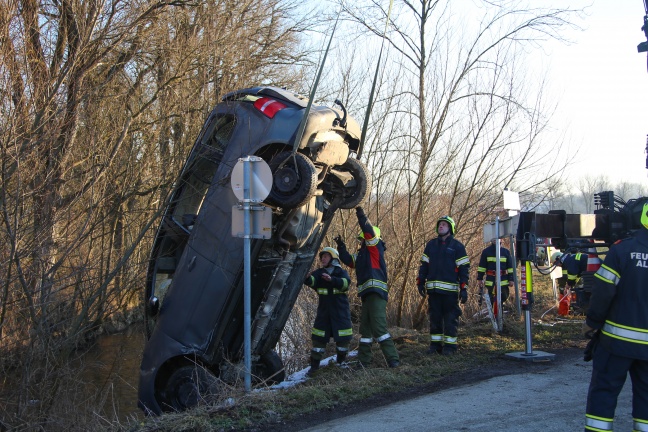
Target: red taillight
(268,106)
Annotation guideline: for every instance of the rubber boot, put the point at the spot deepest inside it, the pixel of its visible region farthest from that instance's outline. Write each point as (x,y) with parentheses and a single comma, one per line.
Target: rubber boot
(341,356)
(435,348)
(314,366)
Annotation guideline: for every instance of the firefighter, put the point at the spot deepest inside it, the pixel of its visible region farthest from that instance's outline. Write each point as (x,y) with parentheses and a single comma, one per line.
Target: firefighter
(443,276)
(371,274)
(487,266)
(333,318)
(617,316)
(573,265)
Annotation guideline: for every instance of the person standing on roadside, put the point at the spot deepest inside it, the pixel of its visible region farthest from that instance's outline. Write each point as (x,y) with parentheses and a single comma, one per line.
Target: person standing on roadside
(443,277)
(617,319)
(488,267)
(333,318)
(371,279)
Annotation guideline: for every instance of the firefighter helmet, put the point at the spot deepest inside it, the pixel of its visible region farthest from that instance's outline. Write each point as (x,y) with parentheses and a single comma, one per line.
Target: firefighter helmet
(331,251)
(450,222)
(376,231)
(556,256)
(644,216)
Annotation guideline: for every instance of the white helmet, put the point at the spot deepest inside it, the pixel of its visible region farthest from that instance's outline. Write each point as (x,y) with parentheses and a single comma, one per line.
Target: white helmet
(332,251)
(556,256)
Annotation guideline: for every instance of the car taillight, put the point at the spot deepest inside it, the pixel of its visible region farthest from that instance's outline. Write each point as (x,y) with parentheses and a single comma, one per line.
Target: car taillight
(268,106)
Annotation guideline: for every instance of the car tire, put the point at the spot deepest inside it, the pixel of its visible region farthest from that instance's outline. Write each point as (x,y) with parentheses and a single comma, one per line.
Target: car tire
(270,368)
(186,387)
(354,197)
(294,183)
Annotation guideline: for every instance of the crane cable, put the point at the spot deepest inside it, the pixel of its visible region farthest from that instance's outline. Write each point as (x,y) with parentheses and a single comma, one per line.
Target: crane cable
(365,125)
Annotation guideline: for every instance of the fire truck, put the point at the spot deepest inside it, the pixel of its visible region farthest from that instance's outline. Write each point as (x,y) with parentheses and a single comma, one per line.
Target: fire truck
(613,219)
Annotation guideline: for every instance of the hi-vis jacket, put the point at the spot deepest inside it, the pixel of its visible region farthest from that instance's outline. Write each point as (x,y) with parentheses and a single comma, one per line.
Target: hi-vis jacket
(573,265)
(488,263)
(333,312)
(620,298)
(444,265)
(368,262)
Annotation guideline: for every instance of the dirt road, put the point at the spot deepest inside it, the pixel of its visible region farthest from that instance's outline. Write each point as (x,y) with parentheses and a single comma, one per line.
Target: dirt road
(543,397)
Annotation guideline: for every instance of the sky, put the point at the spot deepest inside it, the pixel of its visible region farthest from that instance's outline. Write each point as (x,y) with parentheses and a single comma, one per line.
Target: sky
(601,83)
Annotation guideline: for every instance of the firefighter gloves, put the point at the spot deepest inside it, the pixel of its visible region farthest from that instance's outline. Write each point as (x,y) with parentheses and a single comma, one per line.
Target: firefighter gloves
(463,295)
(588,332)
(338,241)
(359,211)
(420,285)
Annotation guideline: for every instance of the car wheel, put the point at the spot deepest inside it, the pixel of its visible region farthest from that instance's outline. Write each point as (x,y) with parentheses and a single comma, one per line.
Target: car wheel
(270,368)
(187,386)
(353,196)
(294,183)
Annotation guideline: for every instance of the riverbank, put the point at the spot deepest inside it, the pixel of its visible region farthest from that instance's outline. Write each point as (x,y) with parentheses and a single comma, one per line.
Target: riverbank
(340,391)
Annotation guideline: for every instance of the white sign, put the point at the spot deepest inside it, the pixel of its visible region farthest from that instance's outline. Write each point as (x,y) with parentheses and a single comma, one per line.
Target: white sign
(260,179)
(506,228)
(260,222)
(511,200)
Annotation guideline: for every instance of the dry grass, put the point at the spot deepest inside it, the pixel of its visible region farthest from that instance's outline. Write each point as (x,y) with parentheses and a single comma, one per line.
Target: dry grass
(335,387)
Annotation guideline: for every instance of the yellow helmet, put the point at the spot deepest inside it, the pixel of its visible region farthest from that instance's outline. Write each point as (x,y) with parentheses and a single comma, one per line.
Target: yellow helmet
(644,216)
(376,231)
(449,221)
(332,251)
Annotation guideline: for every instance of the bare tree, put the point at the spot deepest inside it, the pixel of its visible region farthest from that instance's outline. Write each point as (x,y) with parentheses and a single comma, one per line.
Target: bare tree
(460,121)
(100,104)
(587,187)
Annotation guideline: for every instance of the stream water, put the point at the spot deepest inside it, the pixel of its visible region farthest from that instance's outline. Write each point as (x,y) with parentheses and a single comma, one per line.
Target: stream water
(112,366)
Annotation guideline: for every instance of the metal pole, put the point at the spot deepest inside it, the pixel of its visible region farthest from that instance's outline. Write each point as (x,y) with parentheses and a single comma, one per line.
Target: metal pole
(498,274)
(246,275)
(528,287)
(515,276)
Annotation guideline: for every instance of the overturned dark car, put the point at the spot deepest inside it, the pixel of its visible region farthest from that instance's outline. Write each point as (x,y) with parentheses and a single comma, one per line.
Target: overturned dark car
(194,286)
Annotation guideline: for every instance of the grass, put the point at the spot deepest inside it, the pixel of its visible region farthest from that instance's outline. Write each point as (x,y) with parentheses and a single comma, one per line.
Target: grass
(334,387)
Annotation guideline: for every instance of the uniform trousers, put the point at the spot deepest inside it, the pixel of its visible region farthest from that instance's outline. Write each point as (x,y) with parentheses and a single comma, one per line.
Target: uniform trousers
(609,372)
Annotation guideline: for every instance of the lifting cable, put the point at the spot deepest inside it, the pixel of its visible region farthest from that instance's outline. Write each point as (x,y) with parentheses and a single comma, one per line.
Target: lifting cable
(373,85)
(302,124)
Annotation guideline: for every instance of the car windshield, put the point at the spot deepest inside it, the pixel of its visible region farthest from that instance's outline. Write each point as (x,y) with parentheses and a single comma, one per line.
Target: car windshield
(206,159)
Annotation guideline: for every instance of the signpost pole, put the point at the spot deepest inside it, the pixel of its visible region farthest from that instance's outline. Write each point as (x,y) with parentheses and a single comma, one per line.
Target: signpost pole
(498,274)
(251,181)
(247,275)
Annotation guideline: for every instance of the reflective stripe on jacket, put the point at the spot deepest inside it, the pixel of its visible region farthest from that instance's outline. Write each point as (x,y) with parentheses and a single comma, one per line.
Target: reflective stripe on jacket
(488,263)
(619,298)
(368,262)
(333,311)
(444,265)
(573,265)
